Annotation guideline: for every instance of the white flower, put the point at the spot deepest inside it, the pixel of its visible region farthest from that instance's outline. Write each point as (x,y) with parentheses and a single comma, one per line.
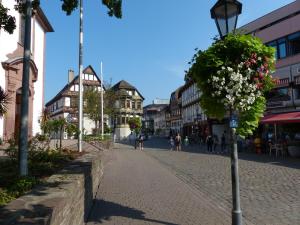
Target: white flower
(229,69)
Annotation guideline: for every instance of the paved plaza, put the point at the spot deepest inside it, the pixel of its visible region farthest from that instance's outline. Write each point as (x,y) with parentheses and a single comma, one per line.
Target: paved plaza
(159,186)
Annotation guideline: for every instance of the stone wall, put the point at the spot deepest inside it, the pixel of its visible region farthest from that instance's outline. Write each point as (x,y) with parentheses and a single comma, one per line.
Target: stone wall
(65,199)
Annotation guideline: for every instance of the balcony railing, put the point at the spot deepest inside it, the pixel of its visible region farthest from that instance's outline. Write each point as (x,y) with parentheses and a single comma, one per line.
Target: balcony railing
(283,82)
(129,110)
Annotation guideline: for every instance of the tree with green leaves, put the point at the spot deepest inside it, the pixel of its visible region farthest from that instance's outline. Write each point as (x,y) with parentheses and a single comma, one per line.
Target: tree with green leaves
(58,127)
(45,117)
(4,101)
(92,106)
(135,124)
(8,22)
(109,99)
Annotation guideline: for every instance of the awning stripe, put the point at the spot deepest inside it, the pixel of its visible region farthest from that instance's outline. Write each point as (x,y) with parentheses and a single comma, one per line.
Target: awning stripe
(292,117)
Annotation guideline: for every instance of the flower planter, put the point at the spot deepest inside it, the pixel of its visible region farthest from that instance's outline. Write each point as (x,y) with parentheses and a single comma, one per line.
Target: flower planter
(294,151)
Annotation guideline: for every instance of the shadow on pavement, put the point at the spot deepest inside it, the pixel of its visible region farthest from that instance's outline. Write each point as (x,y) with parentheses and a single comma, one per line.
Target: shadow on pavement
(104,210)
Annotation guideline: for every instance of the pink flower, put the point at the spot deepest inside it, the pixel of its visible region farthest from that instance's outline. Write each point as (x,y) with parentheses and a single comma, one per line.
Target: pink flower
(254,55)
(259,85)
(247,63)
(253,61)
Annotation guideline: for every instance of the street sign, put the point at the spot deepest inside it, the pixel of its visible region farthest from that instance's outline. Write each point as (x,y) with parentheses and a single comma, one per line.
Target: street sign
(233,121)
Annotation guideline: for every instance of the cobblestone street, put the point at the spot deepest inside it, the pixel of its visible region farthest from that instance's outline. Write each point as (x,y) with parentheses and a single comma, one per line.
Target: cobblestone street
(158,186)
(270,187)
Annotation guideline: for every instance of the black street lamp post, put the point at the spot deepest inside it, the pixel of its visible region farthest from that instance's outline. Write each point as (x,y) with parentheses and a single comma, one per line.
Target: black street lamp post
(225,13)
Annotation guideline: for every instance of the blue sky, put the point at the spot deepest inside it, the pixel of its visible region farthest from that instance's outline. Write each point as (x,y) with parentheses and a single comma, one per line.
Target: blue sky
(150,47)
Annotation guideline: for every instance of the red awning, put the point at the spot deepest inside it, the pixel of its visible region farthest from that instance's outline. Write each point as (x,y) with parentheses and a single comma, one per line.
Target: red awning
(292,117)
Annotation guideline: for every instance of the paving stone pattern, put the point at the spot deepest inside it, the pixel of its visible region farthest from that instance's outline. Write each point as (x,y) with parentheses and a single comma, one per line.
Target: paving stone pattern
(136,189)
(270,187)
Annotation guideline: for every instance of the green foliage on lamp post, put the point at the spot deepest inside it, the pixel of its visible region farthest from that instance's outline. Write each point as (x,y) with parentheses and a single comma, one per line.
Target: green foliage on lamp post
(235,74)
(135,124)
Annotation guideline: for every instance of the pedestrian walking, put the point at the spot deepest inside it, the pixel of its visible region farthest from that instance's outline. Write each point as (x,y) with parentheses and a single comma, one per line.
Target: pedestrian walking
(209,143)
(131,138)
(186,141)
(141,141)
(136,141)
(223,142)
(172,143)
(178,142)
(216,142)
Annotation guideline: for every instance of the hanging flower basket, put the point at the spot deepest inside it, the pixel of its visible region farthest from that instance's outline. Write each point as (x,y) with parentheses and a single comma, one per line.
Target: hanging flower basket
(234,74)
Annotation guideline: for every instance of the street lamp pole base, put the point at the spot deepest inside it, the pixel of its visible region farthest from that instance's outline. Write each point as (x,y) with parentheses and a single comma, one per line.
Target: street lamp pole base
(237,218)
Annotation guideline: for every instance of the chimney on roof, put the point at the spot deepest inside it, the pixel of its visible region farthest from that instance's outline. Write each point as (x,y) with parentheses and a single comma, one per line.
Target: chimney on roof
(70,75)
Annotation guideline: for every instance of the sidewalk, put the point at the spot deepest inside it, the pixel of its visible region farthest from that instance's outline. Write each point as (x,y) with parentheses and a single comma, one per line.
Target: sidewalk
(136,189)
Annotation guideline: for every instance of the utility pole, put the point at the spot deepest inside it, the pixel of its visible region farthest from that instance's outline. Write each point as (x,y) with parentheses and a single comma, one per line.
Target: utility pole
(102,127)
(23,136)
(80,122)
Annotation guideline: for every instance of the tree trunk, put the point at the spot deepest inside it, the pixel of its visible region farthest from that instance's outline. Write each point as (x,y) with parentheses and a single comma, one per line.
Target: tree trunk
(60,138)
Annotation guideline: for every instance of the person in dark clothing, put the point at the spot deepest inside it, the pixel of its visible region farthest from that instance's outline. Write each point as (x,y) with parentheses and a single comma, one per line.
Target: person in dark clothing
(216,142)
(209,143)
(223,142)
(178,142)
(141,141)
